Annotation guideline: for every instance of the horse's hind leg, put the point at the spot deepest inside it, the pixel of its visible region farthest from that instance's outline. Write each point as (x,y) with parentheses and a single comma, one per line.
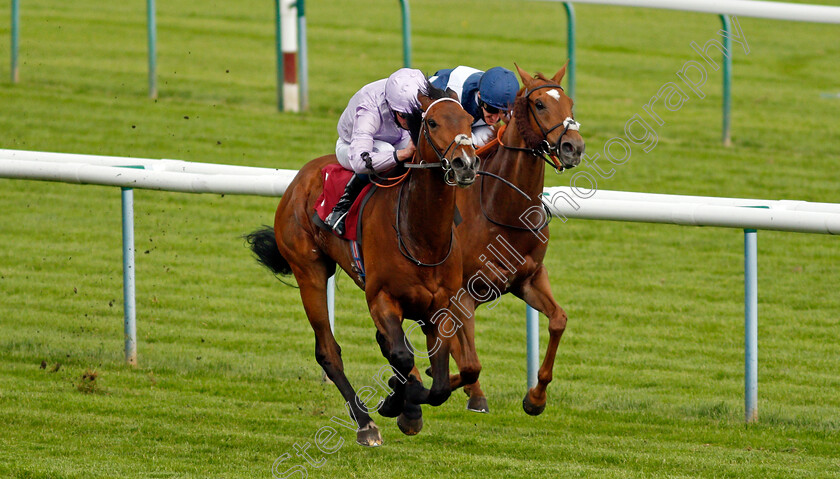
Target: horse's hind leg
(477,402)
(313,293)
(537,293)
(469,366)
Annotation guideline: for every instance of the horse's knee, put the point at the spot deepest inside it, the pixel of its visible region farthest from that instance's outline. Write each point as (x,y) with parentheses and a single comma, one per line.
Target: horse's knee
(402,360)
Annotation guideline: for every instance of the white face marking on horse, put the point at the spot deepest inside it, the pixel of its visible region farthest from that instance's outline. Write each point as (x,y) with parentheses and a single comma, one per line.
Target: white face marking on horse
(554,94)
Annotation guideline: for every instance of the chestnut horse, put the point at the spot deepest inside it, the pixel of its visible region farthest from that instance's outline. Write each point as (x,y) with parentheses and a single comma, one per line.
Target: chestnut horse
(542,130)
(412,262)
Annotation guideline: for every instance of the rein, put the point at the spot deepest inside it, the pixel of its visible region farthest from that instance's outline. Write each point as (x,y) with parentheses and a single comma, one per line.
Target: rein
(443,163)
(404,248)
(498,223)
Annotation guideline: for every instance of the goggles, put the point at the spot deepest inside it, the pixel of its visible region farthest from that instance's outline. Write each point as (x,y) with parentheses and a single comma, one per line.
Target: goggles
(490,109)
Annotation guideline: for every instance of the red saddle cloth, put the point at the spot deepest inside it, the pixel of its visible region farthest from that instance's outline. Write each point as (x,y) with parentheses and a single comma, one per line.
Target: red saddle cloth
(335,179)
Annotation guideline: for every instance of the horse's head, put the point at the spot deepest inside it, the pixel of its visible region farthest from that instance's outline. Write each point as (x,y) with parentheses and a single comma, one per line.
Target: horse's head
(544,106)
(446,130)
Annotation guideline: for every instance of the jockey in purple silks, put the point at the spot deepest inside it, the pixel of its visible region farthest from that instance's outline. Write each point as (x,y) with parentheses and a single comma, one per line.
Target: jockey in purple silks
(373,133)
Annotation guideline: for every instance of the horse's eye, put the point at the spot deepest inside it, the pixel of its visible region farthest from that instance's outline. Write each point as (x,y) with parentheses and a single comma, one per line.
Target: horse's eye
(432,124)
(539,105)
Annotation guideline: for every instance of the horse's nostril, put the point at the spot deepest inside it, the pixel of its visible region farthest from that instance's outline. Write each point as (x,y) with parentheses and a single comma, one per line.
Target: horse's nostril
(567,148)
(457,162)
(477,163)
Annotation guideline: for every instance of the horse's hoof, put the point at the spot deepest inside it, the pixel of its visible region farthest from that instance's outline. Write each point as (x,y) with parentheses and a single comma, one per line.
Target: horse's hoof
(369,436)
(409,427)
(530,408)
(477,404)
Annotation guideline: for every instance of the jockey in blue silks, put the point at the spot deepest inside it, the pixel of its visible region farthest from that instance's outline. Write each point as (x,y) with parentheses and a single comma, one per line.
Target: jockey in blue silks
(487,96)
(373,133)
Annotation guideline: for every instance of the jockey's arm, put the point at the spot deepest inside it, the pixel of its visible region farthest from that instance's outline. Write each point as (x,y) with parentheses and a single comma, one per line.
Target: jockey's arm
(364,128)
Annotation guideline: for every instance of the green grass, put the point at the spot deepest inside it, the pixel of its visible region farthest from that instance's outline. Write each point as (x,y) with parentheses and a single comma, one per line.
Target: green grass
(649,375)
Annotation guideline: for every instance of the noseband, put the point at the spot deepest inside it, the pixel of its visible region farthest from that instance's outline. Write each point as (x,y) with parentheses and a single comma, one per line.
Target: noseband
(546,151)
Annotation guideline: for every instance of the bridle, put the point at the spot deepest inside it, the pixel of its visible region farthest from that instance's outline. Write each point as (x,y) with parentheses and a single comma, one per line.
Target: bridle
(545,150)
(445,164)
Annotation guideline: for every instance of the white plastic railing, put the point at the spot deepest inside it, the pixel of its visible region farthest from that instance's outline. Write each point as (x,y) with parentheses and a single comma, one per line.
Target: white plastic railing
(747,8)
(176,175)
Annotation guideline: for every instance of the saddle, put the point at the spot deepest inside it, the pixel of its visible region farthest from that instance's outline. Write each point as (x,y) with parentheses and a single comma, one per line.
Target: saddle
(335,179)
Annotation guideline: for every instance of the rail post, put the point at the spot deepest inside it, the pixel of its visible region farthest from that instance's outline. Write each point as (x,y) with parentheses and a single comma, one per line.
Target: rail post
(331,302)
(532,326)
(286,44)
(570,47)
(406,31)
(303,63)
(129,309)
(750,325)
(727,81)
(15,37)
(151,33)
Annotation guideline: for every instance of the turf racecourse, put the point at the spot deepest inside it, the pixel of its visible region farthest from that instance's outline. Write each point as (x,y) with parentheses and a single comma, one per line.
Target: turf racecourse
(649,375)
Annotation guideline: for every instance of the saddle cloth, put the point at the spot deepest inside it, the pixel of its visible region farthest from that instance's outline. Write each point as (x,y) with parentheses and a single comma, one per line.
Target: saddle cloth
(335,179)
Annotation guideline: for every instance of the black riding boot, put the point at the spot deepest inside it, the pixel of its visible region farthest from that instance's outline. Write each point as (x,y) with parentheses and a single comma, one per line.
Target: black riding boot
(335,220)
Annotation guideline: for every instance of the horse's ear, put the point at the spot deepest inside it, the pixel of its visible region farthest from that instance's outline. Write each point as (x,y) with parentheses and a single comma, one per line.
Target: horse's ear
(526,78)
(560,73)
(452,93)
(424,100)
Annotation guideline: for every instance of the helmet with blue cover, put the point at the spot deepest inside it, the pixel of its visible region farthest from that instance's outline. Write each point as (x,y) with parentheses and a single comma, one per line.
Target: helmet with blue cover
(498,87)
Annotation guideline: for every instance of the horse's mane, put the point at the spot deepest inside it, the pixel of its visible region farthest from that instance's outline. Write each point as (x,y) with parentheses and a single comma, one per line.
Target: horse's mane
(523,125)
(415,118)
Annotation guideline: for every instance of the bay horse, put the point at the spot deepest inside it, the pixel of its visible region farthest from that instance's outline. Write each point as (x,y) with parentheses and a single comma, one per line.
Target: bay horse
(412,263)
(542,131)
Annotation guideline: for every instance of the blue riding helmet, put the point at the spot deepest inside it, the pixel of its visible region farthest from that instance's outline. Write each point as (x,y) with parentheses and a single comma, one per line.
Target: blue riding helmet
(498,87)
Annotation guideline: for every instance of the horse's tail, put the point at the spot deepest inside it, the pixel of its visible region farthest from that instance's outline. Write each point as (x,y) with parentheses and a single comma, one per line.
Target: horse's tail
(264,245)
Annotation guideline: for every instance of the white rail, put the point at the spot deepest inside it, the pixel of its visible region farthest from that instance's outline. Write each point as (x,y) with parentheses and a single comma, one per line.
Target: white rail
(728,213)
(747,8)
(270,183)
(178,166)
(176,175)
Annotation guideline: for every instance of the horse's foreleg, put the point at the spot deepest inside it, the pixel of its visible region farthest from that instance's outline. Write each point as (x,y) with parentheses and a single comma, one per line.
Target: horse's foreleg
(437,345)
(328,354)
(537,293)
(387,317)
